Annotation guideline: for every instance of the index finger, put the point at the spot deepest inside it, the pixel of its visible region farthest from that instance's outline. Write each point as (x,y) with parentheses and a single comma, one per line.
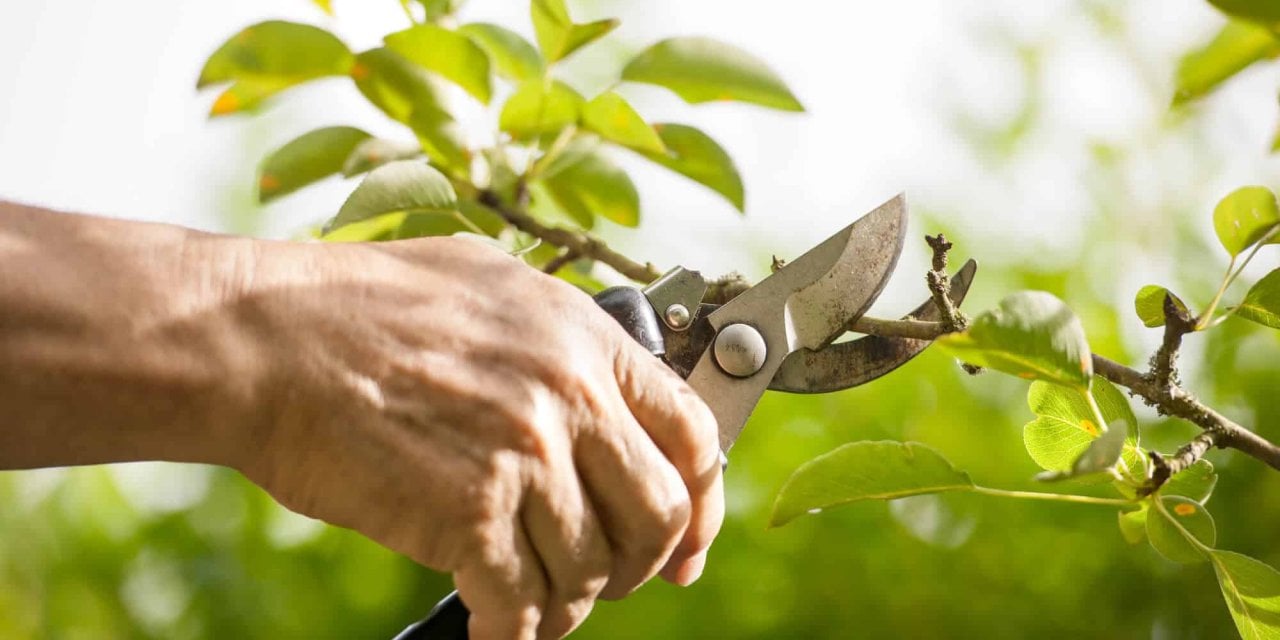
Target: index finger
(685,430)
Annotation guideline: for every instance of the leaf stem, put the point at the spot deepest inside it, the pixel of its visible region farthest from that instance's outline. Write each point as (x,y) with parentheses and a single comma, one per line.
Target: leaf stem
(1054,497)
(1203,321)
(1206,320)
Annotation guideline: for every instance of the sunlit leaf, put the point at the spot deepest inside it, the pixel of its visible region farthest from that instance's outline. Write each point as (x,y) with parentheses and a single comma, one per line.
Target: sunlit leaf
(1065,425)
(1133,524)
(325,5)
(865,471)
(512,56)
(394,85)
(1195,482)
(1262,303)
(422,225)
(482,217)
(375,152)
(693,154)
(1237,46)
(1244,217)
(306,159)
(1032,335)
(374,229)
(595,186)
(1264,11)
(408,186)
(1252,591)
(611,116)
(441,139)
(450,54)
(1179,527)
(1101,454)
(270,57)
(540,107)
(704,70)
(558,35)
(434,10)
(1149,304)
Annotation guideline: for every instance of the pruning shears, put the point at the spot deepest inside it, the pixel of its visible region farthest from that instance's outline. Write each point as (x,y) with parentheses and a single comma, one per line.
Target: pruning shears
(775,335)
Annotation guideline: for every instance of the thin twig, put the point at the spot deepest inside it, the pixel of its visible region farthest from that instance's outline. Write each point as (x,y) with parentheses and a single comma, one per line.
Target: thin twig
(940,284)
(583,244)
(1163,468)
(560,261)
(1177,323)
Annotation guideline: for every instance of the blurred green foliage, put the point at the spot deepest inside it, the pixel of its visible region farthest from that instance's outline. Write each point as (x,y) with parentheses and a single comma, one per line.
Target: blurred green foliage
(168,551)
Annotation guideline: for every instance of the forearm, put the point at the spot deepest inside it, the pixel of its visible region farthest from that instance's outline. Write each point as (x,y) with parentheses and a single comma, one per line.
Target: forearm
(115,342)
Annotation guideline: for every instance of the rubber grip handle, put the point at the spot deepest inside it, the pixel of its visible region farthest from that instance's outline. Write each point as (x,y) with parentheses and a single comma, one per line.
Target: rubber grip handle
(628,305)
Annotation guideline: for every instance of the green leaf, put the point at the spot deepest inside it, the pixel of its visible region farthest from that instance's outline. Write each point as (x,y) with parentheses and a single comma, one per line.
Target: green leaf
(452,55)
(375,229)
(1266,12)
(595,186)
(309,158)
(422,225)
(512,56)
(1033,335)
(1065,426)
(540,107)
(404,91)
(1237,46)
(1262,303)
(1178,527)
(1133,524)
(558,35)
(325,5)
(866,471)
(1100,455)
(1252,592)
(408,186)
(270,57)
(482,217)
(705,70)
(434,10)
(1244,217)
(1149,304)
(394,85)
(375,152)
(693,154)
(611,116)
(1195,482)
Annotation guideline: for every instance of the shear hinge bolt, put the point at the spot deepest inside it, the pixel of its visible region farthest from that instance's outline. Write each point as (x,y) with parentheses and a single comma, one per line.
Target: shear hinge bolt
(740,350)
(677,316)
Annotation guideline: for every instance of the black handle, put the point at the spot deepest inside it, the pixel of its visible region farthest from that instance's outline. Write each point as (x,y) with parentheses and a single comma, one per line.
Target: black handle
(448,619)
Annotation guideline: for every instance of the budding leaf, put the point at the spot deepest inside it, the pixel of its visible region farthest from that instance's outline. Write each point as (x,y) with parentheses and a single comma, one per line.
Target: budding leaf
(1195,482)
(1262,303)
(1149,304)
(269,57)
(558,35)
(1032,335)
(540,107)
(450,54)
(1065,425)
(611,116)
(595,186)
(866,470)
(1246,215)
(704,70)
(1179,527)
(693,154)
(1102,453)
(1238,45)
(1252,592)
(1133,524)
(309,158)
(408,186)
(512,56)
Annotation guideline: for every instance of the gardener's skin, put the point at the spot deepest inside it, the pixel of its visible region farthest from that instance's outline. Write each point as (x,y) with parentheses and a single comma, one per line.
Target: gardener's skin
(436,395)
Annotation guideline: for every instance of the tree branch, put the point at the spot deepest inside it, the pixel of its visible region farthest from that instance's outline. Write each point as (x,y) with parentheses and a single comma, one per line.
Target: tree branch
(582,244)
(1177,323)
(940,285)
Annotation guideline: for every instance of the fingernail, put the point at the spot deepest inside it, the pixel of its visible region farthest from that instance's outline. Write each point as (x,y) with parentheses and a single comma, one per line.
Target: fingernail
(691,570)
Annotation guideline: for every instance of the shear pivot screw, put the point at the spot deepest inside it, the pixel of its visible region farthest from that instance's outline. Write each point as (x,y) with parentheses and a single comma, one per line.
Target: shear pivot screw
(677,316)
(740,350)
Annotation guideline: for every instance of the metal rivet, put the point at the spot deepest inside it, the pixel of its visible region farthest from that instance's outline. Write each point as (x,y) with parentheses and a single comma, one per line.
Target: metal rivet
(677,316)
(740,350)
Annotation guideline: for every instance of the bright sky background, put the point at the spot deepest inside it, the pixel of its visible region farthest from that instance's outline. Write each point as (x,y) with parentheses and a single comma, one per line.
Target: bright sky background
(98,114)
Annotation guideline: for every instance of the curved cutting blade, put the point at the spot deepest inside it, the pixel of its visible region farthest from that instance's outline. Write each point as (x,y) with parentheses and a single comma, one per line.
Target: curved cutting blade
(805,304)
(849,364)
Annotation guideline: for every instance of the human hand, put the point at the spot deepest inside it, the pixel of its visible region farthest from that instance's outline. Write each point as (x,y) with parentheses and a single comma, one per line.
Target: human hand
(453,404)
